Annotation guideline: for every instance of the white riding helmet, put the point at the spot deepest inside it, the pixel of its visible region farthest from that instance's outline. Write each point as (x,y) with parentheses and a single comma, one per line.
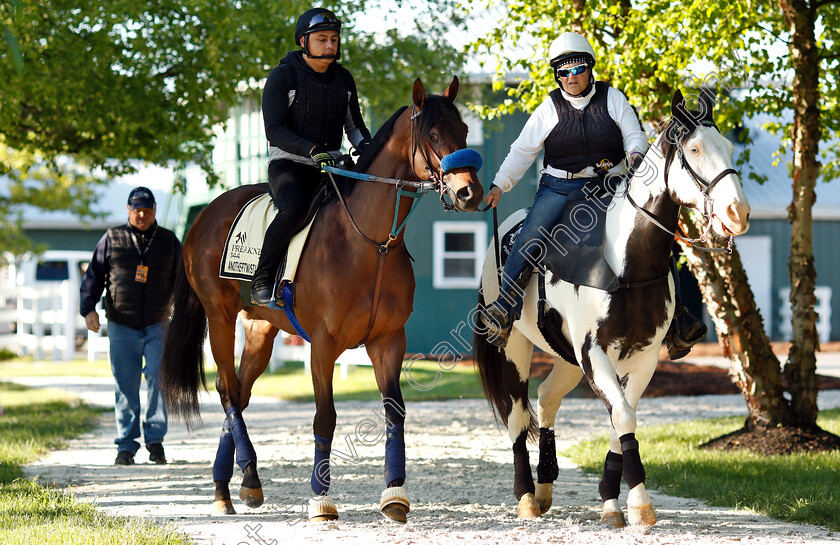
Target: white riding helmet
(570,47)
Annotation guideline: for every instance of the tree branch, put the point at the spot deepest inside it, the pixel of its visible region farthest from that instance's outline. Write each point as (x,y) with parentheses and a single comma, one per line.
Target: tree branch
(770,31)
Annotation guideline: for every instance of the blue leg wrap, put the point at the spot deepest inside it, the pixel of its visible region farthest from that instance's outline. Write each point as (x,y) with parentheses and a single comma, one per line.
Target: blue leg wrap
(245,453)
(394,454)
(223,466)
(320,480)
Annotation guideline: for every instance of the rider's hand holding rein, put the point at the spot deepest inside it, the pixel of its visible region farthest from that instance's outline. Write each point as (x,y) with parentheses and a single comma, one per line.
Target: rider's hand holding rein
(492,198)
(321,157)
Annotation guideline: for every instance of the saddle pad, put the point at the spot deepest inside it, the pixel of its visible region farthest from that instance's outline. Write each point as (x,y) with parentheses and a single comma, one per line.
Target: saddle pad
(575,254)
(245,239)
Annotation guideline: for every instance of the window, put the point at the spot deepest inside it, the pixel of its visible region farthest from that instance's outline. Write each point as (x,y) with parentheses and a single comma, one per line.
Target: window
(52,270)
(459,248)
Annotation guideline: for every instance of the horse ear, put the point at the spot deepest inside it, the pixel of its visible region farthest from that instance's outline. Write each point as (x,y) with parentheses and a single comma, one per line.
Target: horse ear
(707,101)
(676,102)
(418,94)
(452,91)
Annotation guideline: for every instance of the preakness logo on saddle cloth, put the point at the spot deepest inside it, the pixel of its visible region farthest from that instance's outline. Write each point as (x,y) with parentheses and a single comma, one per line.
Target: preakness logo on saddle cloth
(245,239)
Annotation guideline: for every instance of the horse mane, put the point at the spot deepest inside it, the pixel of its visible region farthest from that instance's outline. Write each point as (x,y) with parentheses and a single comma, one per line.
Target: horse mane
(431,111)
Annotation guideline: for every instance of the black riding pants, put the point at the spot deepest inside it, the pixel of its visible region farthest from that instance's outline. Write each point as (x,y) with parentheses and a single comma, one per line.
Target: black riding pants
(292,187)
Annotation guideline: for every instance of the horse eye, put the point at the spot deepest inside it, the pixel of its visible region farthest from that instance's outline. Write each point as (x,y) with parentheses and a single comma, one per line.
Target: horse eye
(434,137)
(695,150)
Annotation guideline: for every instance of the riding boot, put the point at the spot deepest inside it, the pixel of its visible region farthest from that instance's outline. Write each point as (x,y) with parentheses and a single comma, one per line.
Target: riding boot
(273,249)
(506,309)
(685,330)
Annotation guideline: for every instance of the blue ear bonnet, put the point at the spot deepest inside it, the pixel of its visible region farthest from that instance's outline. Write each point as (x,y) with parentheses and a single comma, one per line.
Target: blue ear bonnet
(463,158)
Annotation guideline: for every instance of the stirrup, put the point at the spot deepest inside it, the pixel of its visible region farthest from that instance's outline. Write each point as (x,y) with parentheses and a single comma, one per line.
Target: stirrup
(499,324)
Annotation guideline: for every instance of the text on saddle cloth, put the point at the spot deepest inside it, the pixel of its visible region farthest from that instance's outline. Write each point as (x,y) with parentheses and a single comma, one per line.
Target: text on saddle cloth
(574,250)
(245,239)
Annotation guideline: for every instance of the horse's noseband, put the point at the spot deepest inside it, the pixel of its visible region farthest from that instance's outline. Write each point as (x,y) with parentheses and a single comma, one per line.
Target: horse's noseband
(702,184)
(462,158)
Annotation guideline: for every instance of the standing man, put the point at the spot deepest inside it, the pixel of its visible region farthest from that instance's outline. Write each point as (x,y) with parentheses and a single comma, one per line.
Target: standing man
(135,264)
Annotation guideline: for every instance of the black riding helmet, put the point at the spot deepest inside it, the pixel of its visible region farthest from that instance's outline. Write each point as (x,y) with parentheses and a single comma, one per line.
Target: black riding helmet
(312,21)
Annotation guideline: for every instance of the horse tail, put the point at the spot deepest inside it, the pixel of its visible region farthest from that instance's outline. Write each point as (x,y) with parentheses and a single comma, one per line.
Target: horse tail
(498,376)
(182,368)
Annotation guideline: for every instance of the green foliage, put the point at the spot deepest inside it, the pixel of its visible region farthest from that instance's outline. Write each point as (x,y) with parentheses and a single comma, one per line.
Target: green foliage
(91,90)
(649,49)
(35,421)
(796,488)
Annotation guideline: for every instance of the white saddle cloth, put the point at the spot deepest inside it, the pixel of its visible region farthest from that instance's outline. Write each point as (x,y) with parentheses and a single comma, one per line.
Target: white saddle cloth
(245,239)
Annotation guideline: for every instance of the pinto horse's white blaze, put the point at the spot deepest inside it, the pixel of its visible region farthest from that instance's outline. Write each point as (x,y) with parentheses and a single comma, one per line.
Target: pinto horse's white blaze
(615,336)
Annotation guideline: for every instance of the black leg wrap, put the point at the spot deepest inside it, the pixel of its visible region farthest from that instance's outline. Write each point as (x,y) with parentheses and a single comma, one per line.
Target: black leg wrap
(634,471)
(610,485)
(547,469)
(523,481)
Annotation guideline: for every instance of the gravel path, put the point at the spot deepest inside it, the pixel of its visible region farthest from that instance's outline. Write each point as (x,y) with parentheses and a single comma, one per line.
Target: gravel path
(460,475)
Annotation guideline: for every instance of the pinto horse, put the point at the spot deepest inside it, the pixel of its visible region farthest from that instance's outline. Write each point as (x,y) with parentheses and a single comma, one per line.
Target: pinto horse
(355,285)
(614,336)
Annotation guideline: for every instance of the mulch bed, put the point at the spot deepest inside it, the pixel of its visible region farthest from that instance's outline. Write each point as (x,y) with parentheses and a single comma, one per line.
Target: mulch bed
(772,441)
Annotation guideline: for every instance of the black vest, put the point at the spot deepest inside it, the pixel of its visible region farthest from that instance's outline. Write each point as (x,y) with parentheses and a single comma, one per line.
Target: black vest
(584,138)
(319,109)
(137,304)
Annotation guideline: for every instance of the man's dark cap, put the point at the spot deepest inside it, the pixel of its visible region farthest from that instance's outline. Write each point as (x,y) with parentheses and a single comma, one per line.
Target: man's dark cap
(141,197)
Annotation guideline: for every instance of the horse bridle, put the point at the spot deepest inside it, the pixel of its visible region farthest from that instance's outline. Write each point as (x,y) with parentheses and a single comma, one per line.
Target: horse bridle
(705,188)
(414,142)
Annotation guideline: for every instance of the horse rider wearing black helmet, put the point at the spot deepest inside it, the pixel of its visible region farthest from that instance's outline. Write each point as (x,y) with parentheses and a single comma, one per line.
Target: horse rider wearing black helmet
(308,100)
(587,129)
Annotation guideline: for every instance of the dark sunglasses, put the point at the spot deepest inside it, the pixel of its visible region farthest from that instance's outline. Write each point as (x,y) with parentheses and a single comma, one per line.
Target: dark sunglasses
(323,18)
(574,71)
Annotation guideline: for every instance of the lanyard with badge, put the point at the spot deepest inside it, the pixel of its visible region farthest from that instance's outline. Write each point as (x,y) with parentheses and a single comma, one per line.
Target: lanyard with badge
(142,273)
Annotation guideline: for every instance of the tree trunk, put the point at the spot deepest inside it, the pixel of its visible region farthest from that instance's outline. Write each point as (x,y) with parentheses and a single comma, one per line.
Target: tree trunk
(727,294)
(800,370)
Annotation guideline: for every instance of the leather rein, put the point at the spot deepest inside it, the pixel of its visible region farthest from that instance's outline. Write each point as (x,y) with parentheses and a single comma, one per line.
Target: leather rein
(420,188)
(706,188)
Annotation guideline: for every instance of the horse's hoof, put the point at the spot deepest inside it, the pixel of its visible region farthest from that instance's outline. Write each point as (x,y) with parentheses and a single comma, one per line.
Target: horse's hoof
(394,503)
(614,519)
(322,509)
(253,497)
(543,495)
(528,507)
(641,515)
(223,507)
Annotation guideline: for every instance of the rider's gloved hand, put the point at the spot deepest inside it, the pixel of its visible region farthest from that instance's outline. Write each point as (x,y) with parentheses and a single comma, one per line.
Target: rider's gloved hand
(360,148)
(321,157)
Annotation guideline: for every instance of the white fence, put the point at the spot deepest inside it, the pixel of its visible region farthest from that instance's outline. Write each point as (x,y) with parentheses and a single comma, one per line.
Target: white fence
(46,320)
(823,309)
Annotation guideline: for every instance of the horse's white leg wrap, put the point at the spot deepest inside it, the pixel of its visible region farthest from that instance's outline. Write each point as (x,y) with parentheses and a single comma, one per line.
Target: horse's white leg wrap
(322,508)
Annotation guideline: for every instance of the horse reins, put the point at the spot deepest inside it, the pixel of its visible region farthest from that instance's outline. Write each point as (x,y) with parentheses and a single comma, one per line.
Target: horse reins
(421,188)
(706,188)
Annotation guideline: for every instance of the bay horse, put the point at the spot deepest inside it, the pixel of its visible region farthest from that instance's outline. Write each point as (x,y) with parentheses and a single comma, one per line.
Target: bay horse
(614,336)
(355,285)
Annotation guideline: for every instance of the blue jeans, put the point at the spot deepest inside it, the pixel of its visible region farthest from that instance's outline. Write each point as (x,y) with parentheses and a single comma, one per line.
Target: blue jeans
(128,347)
(530,244)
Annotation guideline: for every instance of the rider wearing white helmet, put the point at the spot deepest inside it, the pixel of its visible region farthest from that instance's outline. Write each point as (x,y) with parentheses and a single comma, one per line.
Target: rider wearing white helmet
(587,129)
(309,99)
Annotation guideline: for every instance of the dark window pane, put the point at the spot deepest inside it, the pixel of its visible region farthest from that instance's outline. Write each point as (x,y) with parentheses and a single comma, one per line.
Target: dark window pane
(459,242)
(52,270)
(459,268)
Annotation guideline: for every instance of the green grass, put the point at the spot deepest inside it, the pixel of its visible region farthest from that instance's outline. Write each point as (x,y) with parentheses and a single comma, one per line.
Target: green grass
(34,422)
(26,367)
(796,488)
(428,382)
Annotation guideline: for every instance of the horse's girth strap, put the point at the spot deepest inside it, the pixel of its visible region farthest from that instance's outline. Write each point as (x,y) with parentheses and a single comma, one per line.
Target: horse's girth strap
(380,268)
